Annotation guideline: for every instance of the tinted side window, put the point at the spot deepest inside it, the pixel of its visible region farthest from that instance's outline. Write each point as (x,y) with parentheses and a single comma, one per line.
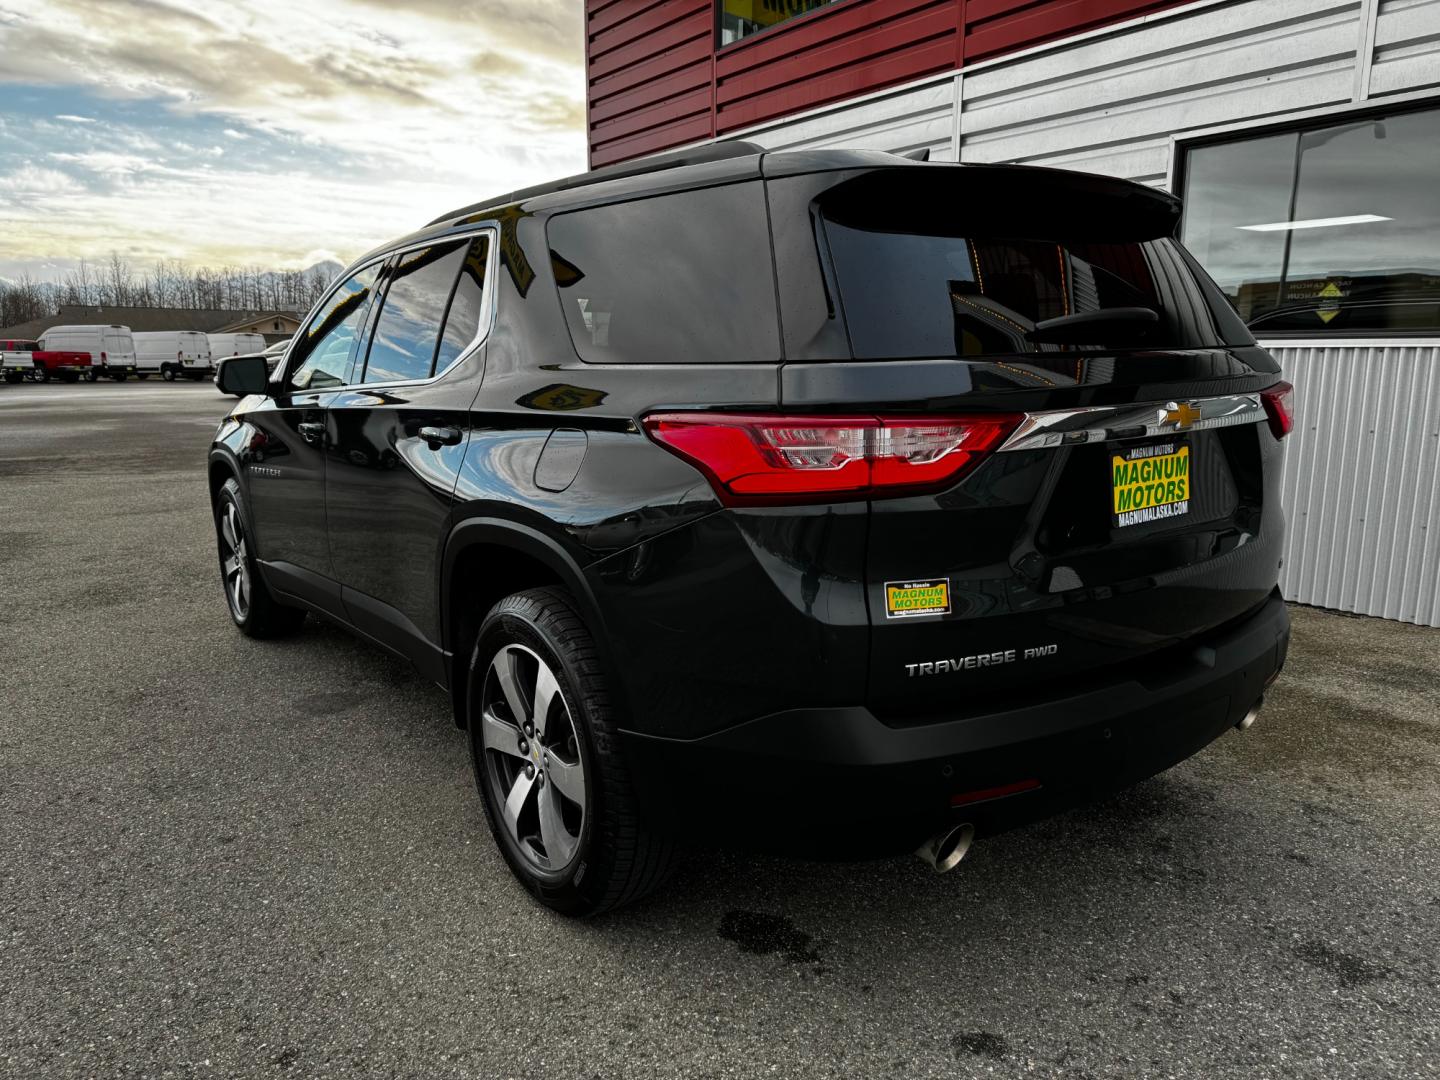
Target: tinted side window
(322,350)
(683,278)
(467,308)
(408,330)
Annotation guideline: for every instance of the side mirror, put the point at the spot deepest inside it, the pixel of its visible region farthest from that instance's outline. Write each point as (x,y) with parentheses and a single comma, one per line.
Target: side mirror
(241,375)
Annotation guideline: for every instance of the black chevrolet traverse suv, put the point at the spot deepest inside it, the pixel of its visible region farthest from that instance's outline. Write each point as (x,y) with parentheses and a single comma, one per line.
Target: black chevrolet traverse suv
(833,502)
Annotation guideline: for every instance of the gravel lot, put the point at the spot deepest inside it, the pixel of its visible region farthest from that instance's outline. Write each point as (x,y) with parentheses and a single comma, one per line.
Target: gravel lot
(230,858)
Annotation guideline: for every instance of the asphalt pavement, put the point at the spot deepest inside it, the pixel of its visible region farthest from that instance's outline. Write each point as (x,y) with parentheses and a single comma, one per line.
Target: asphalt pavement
(228,858)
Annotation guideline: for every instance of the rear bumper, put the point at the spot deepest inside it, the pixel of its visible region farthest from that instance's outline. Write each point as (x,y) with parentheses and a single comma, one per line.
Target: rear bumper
(840,782)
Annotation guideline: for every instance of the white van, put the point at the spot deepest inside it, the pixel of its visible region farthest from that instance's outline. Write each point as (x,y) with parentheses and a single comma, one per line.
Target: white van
(111,348)
(172,353)
(223,345)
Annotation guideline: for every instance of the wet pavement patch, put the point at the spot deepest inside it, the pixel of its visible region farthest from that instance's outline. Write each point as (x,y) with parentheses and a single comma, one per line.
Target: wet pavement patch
(980,1044)
(762,934)
(326,703)
(1350,970)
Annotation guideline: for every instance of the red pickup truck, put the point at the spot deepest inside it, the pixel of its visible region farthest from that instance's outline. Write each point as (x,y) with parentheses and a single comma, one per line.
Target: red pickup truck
(21,360)
(56,363)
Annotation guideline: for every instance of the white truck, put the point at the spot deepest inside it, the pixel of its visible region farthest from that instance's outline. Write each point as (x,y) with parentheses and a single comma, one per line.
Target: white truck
(111,348)
(223,345)
(17,359)
(173,354)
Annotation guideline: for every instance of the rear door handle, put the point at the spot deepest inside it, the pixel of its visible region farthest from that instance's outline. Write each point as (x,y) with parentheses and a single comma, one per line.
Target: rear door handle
(312,431)
(440,436)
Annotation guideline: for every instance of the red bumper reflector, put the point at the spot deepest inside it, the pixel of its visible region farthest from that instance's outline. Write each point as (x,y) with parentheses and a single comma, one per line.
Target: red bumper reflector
(1280,408)
(965,798)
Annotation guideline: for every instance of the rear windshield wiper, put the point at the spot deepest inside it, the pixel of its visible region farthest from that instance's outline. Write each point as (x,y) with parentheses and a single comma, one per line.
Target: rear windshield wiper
(1090,326)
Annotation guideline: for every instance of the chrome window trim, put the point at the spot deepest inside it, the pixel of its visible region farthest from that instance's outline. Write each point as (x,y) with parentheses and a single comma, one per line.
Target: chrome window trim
(1075,427)
(482,332)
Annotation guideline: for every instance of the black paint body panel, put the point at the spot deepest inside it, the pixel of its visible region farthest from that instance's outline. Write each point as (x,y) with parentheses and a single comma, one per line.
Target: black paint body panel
(739,638)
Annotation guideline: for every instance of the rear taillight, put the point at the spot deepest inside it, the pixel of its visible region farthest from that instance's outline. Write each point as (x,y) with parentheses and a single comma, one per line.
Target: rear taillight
(756,459)
(102,357)
(1280,408)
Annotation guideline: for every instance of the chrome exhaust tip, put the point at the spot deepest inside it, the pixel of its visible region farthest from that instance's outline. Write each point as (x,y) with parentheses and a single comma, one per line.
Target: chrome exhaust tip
(945,849)
(1248,720)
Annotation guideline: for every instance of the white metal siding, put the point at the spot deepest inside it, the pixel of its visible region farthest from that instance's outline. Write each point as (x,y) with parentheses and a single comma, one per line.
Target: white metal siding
(1112,100)
(1407,47)
(911,118)
(1362,480)
(1109,104)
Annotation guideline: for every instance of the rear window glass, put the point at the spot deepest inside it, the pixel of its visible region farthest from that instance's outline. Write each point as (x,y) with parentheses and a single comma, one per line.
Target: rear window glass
(462,323)
(927,275)
(420,284)
(682,278)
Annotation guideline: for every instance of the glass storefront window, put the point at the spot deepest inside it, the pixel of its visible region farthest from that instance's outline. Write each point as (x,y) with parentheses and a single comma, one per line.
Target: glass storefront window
(1332,230)
(741,18)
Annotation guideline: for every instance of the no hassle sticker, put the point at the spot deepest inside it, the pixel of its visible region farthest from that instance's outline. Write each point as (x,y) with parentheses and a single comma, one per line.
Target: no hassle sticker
(906,599)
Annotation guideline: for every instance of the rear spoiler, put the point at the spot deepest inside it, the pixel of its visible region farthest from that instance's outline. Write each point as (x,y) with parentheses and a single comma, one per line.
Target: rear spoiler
(1019,201)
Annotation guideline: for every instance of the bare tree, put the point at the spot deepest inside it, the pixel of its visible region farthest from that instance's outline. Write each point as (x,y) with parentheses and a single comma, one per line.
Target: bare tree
(167,284)
(117,282)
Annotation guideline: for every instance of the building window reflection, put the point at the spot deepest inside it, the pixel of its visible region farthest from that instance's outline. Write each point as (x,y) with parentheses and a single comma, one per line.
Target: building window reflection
(1328,230)
(742,18)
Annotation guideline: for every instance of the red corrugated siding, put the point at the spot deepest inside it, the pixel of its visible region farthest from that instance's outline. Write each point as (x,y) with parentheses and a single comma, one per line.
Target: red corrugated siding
(650,75)
(860,46)
(993,27)
(655,79)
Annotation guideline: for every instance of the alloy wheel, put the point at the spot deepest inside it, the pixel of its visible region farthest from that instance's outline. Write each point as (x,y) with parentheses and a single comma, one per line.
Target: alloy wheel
(532,757)
(235,561)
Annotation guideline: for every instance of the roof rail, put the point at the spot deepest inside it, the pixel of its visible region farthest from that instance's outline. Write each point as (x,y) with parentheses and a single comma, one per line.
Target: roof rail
(695,155)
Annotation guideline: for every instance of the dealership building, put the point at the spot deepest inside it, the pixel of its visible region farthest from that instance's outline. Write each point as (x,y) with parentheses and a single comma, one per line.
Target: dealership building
(1303,135)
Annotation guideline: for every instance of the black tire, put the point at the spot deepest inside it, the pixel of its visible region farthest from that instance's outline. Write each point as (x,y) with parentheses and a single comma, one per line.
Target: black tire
(92,376)
(13,376)
(168,374)
(43,374)
(618,860)
(261,616)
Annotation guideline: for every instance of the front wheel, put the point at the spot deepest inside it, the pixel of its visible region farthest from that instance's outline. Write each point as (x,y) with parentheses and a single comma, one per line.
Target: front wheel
(548,762)
(168,374)
(92,376)
(255,611)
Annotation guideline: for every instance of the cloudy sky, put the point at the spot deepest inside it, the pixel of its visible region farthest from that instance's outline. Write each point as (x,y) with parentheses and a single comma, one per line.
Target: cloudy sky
(275,132)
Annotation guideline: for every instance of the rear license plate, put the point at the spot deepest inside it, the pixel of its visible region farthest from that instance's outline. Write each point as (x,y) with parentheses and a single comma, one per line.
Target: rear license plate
(1150,483)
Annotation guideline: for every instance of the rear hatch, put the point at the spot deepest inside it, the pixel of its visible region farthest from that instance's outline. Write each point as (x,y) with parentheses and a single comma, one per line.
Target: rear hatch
(1130,505)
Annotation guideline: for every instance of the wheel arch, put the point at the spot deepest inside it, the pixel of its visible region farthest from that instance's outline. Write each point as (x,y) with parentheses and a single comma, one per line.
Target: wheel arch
(222,466)
(487,559)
